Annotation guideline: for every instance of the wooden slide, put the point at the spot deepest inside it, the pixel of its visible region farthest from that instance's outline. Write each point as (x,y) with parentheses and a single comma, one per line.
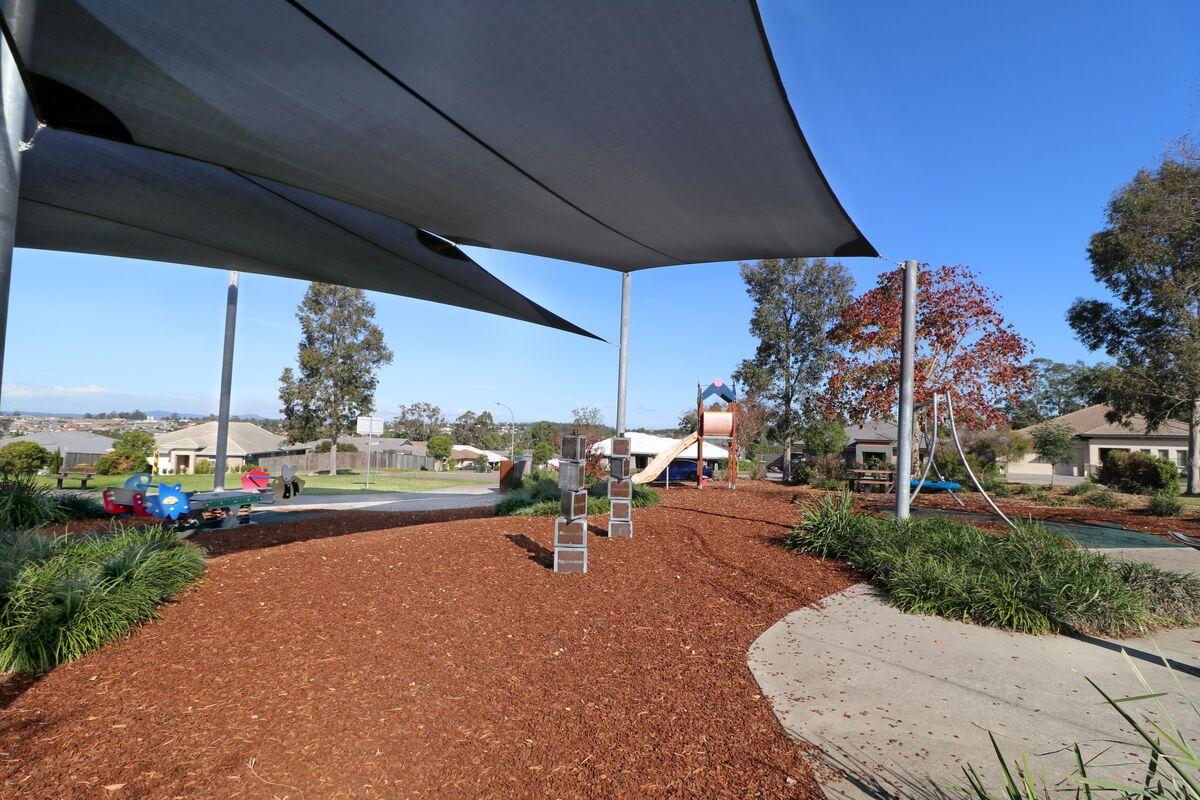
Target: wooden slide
(663,459)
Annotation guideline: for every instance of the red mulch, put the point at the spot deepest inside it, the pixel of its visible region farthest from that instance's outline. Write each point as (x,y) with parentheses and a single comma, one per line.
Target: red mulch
(440,660)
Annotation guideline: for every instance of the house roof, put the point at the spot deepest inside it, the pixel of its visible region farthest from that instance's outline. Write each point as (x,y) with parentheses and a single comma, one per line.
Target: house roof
(465,451)
(871,431)
(67,441)
(647,444)
(1090,421)
(245,439)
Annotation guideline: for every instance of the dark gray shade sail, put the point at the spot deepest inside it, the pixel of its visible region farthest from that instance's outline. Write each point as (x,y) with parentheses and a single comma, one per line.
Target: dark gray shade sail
(624,133)
(89,195)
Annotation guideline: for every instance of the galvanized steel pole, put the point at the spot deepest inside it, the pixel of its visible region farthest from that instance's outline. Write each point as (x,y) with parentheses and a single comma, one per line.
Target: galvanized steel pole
(13,105)
(904,428)
(623,358)
(226,384)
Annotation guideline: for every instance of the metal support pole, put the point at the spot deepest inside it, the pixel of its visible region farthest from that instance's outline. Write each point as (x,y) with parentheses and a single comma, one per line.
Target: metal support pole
(512,447)
(226,383)
(13,104)
(904,428)
(623,358)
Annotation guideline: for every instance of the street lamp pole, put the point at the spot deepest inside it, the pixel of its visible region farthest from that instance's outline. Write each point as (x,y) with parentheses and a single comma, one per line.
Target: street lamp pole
(512,450)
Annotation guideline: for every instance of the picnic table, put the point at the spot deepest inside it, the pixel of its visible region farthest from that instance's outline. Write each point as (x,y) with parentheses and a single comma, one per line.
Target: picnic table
(865,479)
(81,475)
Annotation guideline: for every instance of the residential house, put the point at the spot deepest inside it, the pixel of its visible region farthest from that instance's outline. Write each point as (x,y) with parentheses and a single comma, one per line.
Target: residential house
(1095,436)
(77,447)
(179,451)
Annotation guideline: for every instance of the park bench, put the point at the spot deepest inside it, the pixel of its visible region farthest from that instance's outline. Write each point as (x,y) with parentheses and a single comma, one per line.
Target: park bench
(868,479)
(81,475)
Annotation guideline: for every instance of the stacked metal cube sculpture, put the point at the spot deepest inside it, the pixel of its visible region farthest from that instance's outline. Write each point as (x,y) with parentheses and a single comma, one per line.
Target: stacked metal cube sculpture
(570,529)
(620,490)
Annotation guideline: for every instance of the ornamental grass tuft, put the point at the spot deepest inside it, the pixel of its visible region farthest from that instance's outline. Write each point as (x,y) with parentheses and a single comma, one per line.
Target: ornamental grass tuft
(1028,580)
(62,597)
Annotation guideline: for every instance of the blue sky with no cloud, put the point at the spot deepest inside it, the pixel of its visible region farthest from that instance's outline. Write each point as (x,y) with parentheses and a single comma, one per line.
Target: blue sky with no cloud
(988,134)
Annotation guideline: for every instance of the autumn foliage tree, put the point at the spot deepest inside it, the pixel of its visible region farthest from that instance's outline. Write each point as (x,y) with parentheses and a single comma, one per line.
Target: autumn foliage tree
(964,346)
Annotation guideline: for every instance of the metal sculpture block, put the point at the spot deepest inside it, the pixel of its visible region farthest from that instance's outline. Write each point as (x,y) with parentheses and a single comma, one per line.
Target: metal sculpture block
(620,510)
(570,533)
(573,504)
(620,529)
(620,489)
(570,559)
(571,476)
(618,468)
(621,446)
(573,448)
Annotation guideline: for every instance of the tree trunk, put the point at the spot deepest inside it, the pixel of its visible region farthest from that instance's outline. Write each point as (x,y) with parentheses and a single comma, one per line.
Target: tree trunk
(786,467)
(333,455)
(1193,451)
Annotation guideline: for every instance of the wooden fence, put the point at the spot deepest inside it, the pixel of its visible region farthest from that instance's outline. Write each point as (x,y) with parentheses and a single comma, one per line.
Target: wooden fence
(318,462)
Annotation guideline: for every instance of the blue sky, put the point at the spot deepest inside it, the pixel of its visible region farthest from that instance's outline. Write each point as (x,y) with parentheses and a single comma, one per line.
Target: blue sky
(988,134)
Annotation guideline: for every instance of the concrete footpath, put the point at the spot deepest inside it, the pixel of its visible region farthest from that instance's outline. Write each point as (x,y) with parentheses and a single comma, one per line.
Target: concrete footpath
(900,703)
(433,500)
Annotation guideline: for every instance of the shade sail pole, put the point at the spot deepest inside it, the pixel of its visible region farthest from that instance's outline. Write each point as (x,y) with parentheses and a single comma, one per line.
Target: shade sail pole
(904,428)
(226,383)
(623,358)
(12,108)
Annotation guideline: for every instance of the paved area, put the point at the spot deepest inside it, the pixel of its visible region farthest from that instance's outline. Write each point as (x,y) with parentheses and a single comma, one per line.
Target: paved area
(1043,480)
(899,703)
(434,500)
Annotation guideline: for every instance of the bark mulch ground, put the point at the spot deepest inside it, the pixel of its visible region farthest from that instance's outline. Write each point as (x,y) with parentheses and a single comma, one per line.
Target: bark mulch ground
(359,654)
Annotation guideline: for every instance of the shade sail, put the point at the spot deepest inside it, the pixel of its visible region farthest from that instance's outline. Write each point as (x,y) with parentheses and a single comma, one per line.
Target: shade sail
(625,134)
(84,194)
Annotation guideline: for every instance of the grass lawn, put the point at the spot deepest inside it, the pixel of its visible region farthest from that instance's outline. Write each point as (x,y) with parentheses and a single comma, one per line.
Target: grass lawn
(315,484)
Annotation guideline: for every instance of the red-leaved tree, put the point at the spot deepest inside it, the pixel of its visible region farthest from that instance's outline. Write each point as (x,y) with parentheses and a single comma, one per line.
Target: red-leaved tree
(964,345)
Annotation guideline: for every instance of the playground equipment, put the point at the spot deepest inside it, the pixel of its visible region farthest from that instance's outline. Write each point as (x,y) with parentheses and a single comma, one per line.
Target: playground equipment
(931,450)
(620,490)
(192,510)
(713,424)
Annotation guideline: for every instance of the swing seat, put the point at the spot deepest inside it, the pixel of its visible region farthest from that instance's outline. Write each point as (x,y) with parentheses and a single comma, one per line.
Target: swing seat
(938,486)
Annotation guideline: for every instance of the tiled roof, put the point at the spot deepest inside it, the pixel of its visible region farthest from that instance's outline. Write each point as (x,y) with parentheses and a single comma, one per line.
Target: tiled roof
(1091,421)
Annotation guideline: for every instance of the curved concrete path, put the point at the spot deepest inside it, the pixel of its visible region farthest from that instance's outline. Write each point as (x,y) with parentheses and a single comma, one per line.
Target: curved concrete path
(900,702)
(433,500)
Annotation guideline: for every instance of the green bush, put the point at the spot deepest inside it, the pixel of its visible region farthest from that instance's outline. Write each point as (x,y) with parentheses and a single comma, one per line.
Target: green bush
(542,452)
(63,597)
(79,505)
(117,464)
(23,458)
(26,504)
(802,473)
(539,496)
(203,466)
(1102,498)
(1029,580)
(1165,505)
(325,445)
(1129,471)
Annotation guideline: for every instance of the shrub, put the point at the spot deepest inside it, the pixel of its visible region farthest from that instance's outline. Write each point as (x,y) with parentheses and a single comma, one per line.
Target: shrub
(343,447)
(802,473)
(26,504)
(203,466)
(56,462)
(80,505)
(538,496)
(1029,580)
(542,452)
(1101,498)
(116,464)
(1165,505)
(481,463)
(1138,472)
(63,597)
(439,447)
(1081,488)
(23,458)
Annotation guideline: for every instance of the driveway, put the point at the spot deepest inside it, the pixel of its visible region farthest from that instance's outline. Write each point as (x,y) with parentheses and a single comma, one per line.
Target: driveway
(901,703)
